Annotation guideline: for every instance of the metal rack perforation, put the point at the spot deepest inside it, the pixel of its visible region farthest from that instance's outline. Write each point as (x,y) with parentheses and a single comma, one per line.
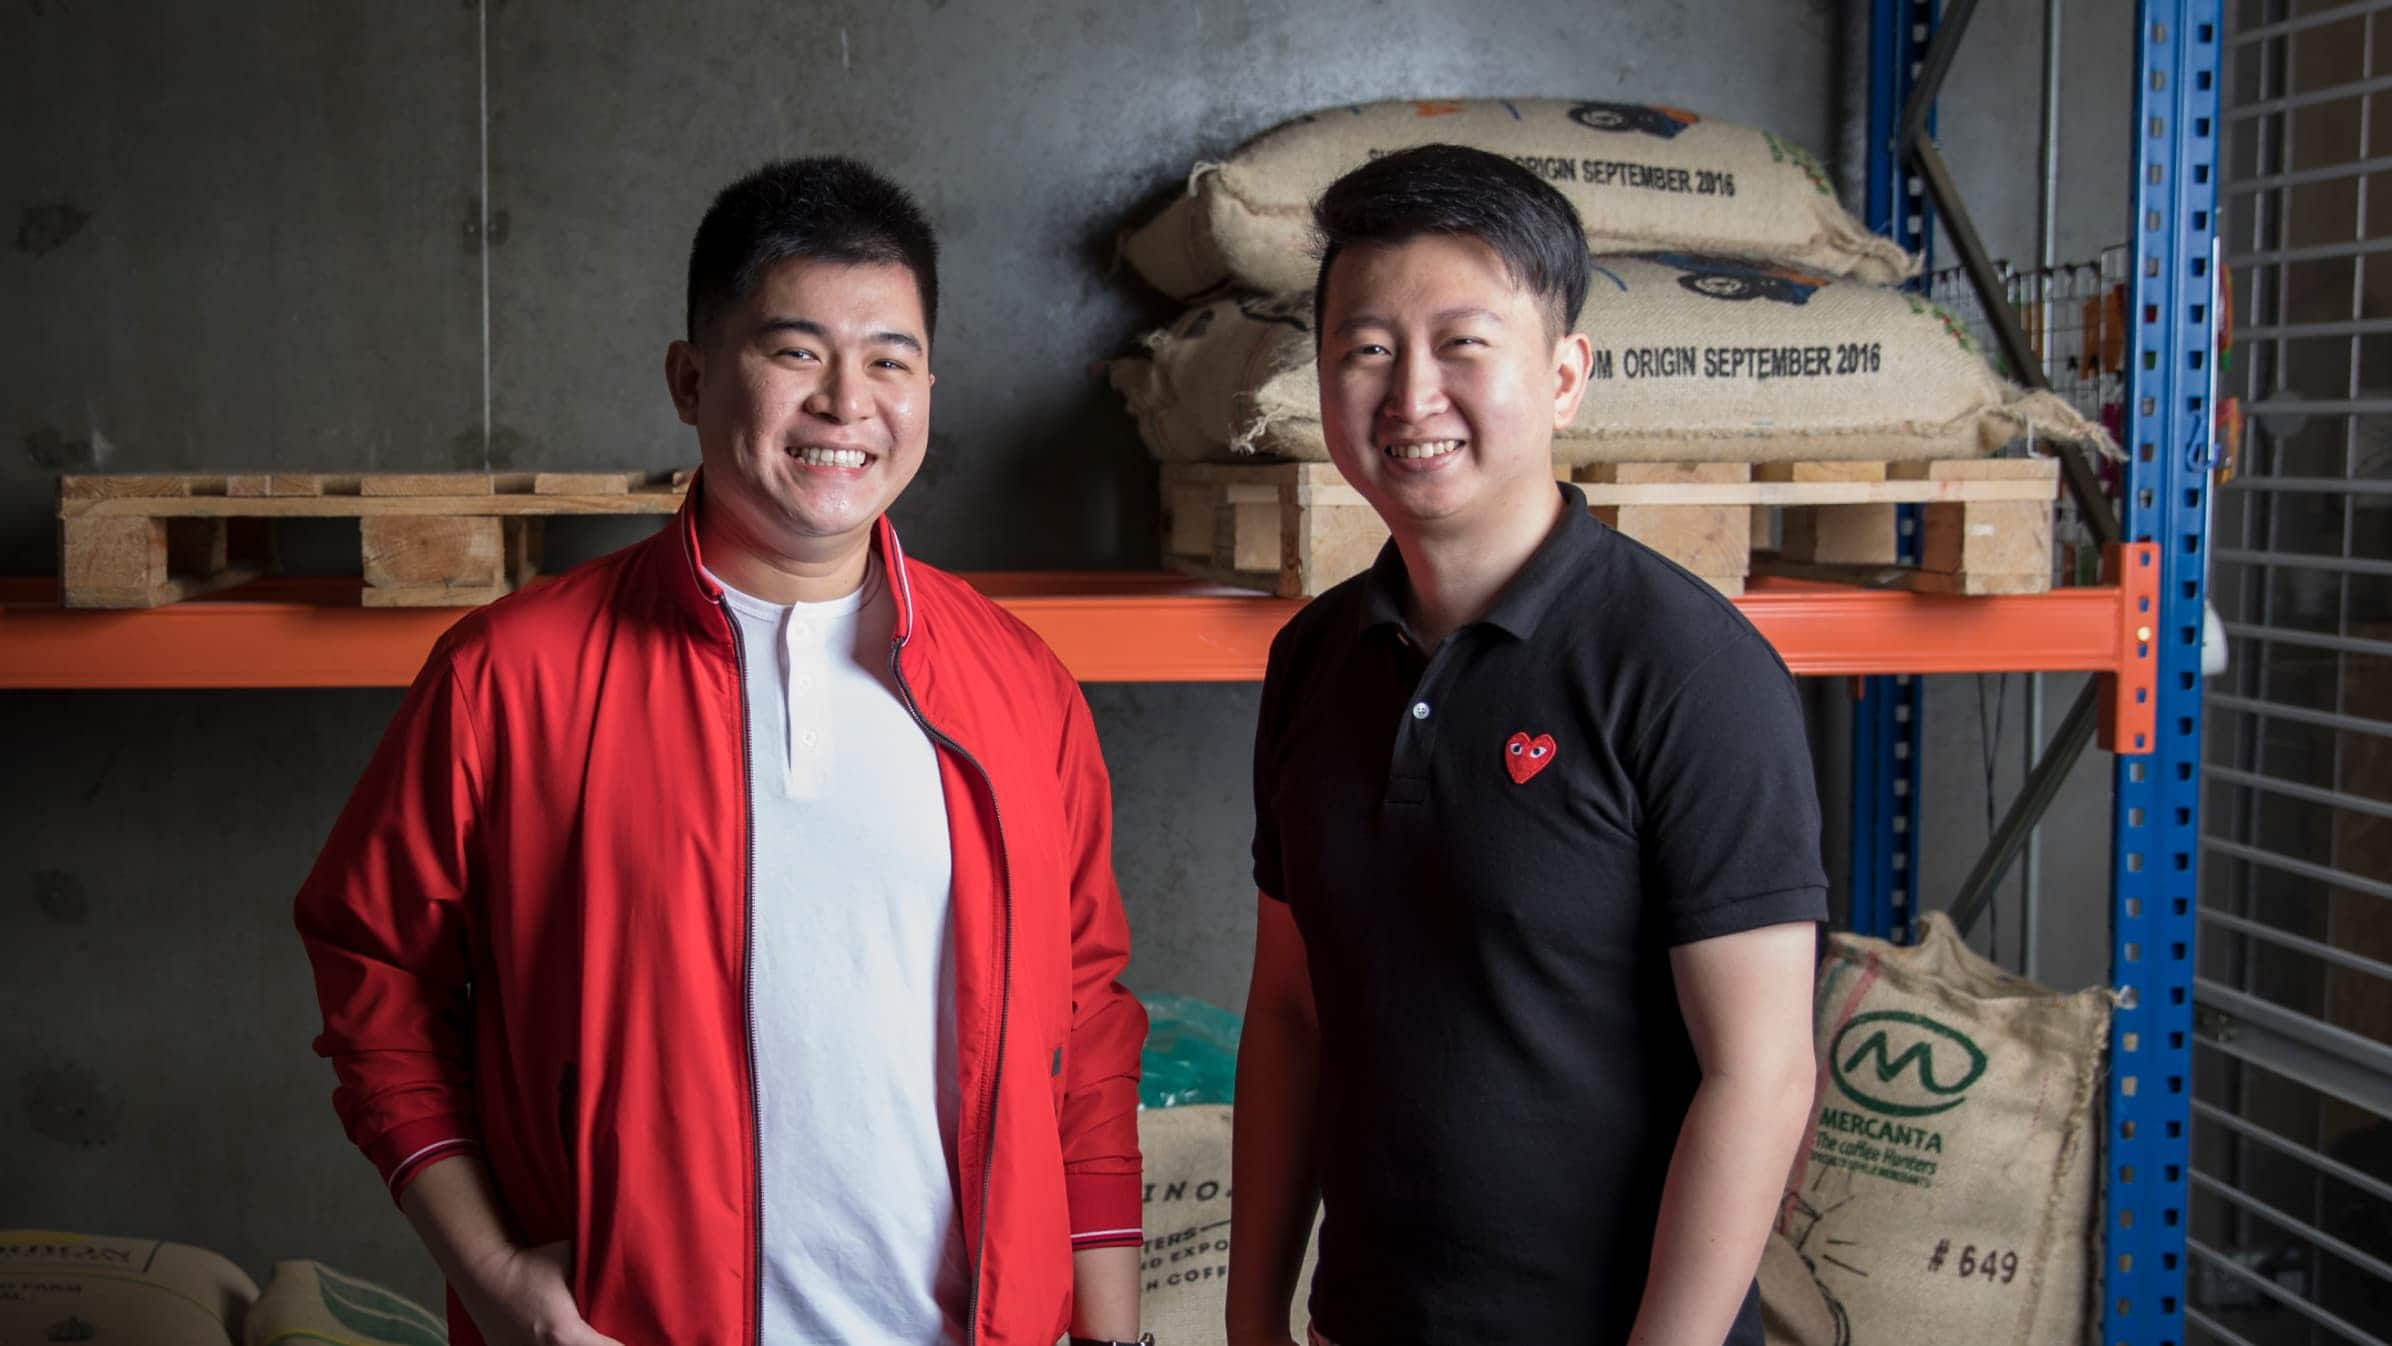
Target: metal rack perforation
(1887,718)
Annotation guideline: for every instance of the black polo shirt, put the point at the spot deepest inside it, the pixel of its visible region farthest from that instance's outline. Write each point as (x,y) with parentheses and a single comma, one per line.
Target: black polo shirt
(1490,849)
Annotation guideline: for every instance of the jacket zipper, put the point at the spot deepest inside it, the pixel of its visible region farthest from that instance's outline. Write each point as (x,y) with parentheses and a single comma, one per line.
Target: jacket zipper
(747,781)
(996,1074)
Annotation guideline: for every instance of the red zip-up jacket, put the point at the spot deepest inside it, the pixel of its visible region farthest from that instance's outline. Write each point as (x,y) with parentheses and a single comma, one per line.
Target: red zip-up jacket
(530,934)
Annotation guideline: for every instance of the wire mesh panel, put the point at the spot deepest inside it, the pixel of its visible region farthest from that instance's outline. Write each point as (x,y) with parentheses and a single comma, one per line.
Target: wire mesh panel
(2074,316)
(2290,1233)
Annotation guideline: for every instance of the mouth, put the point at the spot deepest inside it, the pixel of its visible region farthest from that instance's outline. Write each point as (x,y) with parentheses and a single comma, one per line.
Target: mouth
(817,456)
(1418,450)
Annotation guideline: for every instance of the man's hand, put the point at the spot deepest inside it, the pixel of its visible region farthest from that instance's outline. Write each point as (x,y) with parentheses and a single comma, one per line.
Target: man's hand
(524,1297)
(518,1296)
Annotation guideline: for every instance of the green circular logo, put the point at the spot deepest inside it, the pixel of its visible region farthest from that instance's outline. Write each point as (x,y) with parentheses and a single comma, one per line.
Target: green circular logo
(1904,1065)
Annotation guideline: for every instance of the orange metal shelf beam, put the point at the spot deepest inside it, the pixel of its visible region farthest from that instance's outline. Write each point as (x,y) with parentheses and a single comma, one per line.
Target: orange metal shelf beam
(1106,626)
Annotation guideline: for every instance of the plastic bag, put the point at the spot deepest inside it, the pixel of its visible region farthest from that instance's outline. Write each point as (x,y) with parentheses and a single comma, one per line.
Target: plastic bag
(1191,1053)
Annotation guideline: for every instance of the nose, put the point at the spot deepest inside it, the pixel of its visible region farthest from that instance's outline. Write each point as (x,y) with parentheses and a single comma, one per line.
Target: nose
(842,395)
(1416,392)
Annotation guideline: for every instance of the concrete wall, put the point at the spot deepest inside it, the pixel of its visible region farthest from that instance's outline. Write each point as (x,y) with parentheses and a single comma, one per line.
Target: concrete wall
(251,235)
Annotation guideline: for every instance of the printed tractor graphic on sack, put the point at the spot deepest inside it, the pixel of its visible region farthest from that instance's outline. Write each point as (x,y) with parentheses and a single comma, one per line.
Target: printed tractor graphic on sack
(1664,122)
(1737,280)
(1289,310)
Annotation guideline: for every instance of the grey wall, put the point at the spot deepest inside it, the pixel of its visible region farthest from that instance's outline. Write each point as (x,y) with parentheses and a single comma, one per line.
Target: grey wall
(249,235)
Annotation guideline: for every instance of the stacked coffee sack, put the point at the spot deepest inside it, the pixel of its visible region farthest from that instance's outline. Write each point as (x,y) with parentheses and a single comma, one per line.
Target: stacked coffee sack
(1737,312)
(59,1286)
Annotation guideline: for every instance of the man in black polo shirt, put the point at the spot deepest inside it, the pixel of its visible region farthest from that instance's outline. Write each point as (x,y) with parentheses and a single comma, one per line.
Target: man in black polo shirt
(1536,840)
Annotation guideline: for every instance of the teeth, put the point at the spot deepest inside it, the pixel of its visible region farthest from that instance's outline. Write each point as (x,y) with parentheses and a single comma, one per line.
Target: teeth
(831,457)
(1434,448)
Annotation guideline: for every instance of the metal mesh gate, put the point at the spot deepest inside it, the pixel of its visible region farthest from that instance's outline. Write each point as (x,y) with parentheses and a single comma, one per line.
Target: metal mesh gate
(2290,1222)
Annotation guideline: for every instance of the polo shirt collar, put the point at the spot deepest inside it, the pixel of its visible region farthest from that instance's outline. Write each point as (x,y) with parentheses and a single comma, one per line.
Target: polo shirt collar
(1548,572)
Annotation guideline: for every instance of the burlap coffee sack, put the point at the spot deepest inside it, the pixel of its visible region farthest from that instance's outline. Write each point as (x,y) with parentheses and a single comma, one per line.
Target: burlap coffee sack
(1948,1189)
(1697,359)
(308,1302)
(85,1287)
(1641,177)
(1234,375)
(1795,1309)
(1185,1266)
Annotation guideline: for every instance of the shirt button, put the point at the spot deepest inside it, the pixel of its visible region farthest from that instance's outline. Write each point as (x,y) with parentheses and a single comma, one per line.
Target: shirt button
(804,682)
(808,738)
(1420,710)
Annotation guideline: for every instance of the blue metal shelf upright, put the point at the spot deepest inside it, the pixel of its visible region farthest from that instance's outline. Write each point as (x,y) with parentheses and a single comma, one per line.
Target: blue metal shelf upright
(1888,719)
(2155,796)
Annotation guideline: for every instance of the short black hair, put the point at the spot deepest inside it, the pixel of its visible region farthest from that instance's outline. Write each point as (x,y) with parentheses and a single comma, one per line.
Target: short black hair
(1465,193)
(827,209)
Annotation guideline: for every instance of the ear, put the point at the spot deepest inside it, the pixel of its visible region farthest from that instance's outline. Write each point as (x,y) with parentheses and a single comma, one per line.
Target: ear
(684,372)
(1573,365)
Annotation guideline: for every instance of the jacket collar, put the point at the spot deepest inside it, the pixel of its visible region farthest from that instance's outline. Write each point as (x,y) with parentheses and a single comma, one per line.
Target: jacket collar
(701,598)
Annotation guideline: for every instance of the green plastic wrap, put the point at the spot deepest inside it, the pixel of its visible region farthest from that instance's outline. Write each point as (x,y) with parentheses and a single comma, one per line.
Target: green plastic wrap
(1191,1053)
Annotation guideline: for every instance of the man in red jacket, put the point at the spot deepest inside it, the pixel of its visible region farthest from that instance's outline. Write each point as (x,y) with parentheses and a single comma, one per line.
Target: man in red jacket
(721,948)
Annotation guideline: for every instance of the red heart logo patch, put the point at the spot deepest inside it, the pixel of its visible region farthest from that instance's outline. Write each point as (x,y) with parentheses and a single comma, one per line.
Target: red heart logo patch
(1524,756)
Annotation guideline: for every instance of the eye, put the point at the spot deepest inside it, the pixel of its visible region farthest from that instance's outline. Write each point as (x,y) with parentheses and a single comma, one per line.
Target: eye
(1514,748)
(897,365)
(794,352)
(1538,752)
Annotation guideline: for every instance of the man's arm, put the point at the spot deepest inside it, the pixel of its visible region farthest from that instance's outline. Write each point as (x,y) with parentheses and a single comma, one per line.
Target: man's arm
(1104,1293)
(517,1296)
(1103,1172)
(1734,890)
(1747,1000)
(384,916)
(1271,1158)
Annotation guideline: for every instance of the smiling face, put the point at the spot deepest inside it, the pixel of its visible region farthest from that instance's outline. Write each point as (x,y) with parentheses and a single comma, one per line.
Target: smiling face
(811,399)
(1442,384)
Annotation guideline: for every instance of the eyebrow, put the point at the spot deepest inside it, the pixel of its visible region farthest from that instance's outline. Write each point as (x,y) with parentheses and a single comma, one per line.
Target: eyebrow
(1468,311)
(1361,320)
(808,327)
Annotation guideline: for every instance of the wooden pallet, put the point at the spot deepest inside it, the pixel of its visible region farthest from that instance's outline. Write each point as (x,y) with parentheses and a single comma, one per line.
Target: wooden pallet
(1296,529)
(1985,526)
(1292,529)
(426,539)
